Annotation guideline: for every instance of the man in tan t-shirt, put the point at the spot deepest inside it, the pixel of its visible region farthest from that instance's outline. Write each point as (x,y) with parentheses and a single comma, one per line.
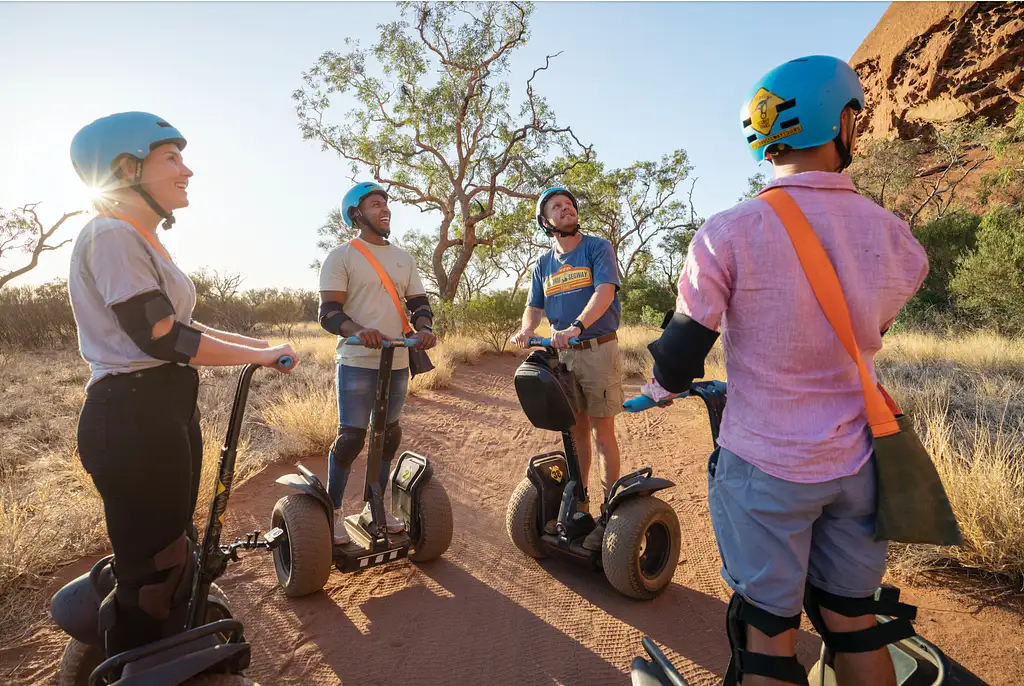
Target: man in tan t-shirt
(354,302)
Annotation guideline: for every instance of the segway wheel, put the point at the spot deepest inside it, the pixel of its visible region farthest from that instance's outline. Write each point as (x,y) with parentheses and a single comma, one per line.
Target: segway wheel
(436,524)
(521,519)
(303,560)
(80,659)
(77,663)
(641,547)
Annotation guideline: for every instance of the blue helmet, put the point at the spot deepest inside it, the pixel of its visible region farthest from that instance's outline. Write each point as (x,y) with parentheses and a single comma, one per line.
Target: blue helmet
(799,104)
(547,195)
(97,147)
(355,195)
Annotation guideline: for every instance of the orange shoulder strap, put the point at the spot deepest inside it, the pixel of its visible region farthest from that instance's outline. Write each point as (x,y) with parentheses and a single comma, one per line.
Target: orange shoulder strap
(825,284)
(386,280)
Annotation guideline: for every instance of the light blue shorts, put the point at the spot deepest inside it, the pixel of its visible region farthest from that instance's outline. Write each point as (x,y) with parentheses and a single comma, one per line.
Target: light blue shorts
(774,536)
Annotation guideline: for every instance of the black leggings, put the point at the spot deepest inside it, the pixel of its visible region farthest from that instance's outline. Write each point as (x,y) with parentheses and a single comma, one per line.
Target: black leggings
(140,441)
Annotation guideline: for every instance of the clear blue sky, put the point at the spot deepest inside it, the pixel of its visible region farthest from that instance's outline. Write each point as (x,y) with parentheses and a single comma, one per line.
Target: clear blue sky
(635,79)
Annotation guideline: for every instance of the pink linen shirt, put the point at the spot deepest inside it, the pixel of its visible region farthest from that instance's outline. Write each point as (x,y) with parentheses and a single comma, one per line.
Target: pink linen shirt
(795,408)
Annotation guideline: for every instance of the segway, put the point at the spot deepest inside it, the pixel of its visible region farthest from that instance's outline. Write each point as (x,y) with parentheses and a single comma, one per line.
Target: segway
(916,661)
(303,560)
(212,642)
(641,541)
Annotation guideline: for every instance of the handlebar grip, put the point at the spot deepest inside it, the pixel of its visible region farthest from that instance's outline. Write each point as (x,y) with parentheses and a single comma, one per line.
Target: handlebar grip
(642,402)
(397,342)
(546,342)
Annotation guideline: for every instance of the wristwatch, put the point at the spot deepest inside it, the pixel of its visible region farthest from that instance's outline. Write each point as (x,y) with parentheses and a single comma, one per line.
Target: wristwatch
(578,324)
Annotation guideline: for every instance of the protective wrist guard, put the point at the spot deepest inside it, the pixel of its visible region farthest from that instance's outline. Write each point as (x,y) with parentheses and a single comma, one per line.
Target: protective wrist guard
(138,314)
(680,352)
(332,316)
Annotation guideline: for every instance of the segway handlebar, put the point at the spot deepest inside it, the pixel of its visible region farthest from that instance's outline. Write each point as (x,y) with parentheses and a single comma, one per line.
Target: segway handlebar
(393,343)
(713,393)
(641,403)
(546,342)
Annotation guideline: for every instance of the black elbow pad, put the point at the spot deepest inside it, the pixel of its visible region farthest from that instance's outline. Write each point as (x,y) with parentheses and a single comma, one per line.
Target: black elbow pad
(422,315)
(680,352)
(138,314)
(331,316)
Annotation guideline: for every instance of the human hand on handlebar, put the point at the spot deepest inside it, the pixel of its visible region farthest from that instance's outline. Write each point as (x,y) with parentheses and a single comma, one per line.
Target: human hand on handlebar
(522,338)
(270,357)
(371,338)
(654,390)
(560,339)
(425,339)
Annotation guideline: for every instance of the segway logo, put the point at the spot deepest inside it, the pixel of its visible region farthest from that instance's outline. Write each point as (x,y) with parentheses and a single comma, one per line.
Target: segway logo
(566,279)
(764,111)
(556,473)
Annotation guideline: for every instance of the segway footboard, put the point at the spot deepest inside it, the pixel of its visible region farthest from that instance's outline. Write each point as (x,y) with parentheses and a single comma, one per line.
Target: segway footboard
(175,659)
(635,484)
(548,473)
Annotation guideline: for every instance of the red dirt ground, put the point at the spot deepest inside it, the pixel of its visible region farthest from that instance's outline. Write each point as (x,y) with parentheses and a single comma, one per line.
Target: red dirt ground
(484,612)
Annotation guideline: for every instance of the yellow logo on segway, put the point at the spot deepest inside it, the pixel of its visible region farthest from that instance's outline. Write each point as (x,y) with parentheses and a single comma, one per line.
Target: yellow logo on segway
(763,111)
(405,475)
(556,473)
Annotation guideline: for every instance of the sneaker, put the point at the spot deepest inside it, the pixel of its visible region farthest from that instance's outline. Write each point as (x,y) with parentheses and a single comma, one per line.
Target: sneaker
(340,532)
(595,539)
(394,524)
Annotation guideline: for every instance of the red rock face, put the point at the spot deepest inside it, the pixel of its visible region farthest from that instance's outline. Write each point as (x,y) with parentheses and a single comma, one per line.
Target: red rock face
(930,63)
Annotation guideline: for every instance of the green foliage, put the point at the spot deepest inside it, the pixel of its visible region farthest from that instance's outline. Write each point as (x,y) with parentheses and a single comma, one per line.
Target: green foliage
(945,240)
(494,317)
(989,281)
(883,170)
(37,317)
(644,297)
(633,206)
(222,304)
(435,120)
(754,186)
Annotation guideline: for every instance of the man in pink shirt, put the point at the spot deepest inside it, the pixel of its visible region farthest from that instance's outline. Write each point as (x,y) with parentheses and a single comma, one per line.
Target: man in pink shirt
(791,485)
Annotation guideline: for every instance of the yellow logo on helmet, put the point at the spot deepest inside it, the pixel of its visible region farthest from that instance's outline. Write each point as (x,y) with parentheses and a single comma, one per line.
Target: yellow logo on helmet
(763,112)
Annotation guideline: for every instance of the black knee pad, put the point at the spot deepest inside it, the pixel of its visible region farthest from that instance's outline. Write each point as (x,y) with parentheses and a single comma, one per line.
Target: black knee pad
(392,439)
(347,445)
(150,600)
(738,616)
(885,601)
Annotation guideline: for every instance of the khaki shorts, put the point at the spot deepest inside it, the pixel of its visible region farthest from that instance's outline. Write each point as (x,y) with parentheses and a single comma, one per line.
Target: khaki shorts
(598,375)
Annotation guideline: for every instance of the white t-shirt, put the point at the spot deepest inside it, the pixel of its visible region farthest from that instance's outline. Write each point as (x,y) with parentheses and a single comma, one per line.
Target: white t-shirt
(367,301)
(110,263)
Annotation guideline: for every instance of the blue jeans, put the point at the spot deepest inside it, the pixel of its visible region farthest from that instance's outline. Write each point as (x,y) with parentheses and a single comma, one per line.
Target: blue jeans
(357,389)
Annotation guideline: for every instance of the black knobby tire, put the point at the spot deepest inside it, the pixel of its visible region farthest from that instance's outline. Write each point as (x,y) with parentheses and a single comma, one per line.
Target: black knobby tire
(77,663)
(80,659)
(436,524)
(641,547)
(303,560)
(521,519)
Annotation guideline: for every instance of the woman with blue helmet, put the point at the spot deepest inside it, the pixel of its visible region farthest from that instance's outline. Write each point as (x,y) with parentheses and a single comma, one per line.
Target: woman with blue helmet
(791,484)
(138,433)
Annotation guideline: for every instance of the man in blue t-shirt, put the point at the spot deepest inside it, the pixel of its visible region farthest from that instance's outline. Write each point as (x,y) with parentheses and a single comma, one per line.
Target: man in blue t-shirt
(575,285)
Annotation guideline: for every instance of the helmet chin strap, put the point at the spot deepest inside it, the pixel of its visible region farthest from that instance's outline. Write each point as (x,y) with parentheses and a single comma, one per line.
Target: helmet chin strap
(551,230)
(363,221)
(136,186)
(845,156)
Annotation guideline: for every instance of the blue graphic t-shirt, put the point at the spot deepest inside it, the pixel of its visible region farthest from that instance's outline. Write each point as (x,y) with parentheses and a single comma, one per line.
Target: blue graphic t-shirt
(562,285)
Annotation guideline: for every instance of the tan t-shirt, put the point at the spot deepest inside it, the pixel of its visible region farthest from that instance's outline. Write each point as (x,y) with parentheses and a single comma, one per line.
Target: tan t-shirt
(367,301)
